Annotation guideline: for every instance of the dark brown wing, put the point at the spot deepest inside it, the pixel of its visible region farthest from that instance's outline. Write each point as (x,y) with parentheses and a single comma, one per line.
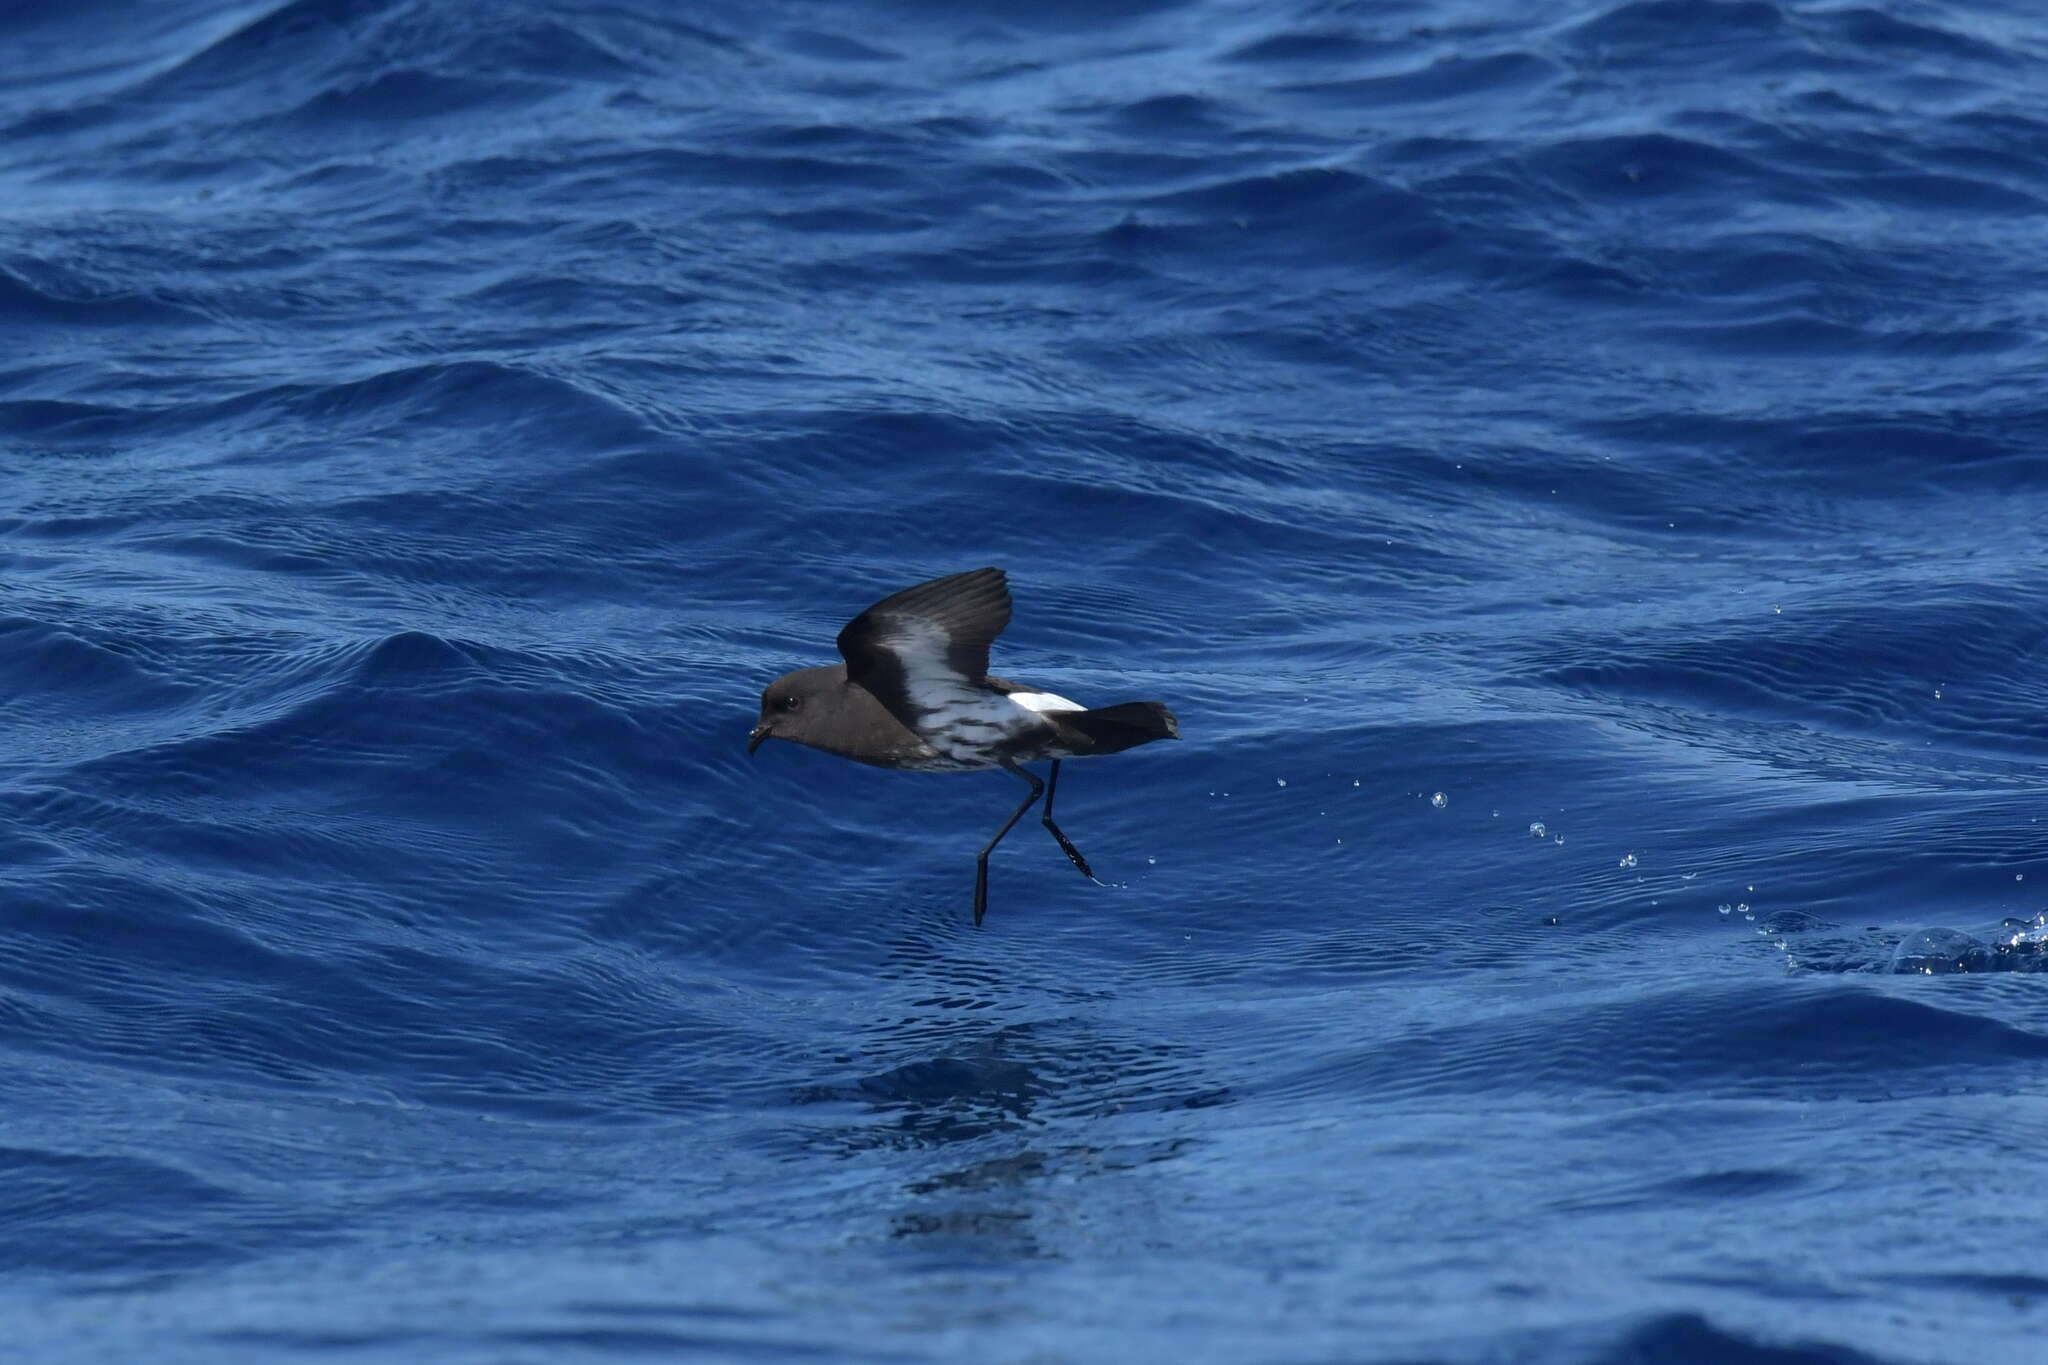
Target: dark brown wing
(916,648)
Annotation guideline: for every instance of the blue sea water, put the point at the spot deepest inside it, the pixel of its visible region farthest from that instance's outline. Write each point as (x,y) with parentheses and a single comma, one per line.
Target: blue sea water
(1578,472)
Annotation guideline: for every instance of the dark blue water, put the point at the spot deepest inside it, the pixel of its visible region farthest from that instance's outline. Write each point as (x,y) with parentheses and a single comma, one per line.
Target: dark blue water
(1580,480)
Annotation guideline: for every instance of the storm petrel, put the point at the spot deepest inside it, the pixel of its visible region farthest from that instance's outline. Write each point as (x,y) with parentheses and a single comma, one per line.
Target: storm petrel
(915,693)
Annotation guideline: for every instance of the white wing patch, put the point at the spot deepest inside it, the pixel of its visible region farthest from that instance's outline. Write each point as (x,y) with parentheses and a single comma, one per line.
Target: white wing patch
(929,681)
(1045,701)
(961,721)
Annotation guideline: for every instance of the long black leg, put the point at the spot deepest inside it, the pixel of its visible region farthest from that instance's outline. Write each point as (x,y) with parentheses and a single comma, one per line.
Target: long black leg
(1066,845)
(981,863)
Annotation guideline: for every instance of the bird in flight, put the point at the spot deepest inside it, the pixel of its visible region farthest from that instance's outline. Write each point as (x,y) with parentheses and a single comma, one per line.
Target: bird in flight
(915,693)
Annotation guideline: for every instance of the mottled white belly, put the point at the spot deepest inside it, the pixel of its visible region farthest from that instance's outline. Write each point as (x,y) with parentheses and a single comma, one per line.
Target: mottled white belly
(968,728)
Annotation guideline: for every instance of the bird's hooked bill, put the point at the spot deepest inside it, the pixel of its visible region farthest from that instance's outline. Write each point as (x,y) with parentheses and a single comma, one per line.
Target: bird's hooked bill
(756,737)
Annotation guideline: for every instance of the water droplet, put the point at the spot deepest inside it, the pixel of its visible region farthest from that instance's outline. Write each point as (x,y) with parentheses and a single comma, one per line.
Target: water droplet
(1340,841)
(1354,781)
(1439,800)
(1742,907)
(1687,876)
(1627,860)
(2019,876)
(1724,907)
(1151,862)
(1558,840)
(1937,693)
(1496,815)
(1536,829)
(1281,780)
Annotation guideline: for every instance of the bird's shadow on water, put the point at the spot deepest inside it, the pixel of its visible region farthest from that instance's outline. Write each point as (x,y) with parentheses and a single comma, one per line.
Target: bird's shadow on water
(968,1044)
(987,1209)
(993,1088)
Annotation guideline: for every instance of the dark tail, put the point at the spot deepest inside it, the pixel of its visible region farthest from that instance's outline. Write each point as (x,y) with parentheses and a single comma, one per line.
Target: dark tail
(1109,729)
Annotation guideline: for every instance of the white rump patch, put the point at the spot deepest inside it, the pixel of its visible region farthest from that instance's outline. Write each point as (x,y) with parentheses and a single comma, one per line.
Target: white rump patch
(1045,701)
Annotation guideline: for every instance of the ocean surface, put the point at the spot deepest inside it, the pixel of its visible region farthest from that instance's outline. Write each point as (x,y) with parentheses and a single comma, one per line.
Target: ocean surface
(1578,472)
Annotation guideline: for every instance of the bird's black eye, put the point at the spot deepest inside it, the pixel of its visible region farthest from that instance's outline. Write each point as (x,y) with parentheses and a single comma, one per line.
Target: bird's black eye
(788,703)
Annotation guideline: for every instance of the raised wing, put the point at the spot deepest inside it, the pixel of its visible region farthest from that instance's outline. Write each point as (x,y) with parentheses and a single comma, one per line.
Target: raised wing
(925,647)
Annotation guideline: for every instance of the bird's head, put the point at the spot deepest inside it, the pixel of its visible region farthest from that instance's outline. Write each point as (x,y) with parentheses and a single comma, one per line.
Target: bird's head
(795,704)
